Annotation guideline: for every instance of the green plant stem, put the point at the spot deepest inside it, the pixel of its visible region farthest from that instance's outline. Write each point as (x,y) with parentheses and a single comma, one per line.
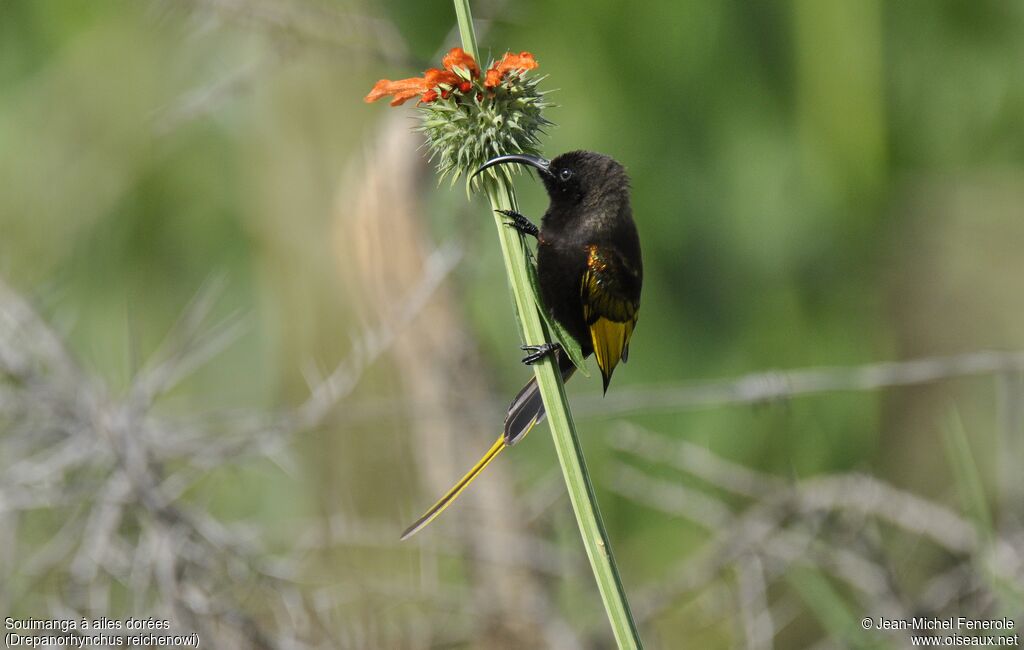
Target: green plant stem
(464,17)
(559,417)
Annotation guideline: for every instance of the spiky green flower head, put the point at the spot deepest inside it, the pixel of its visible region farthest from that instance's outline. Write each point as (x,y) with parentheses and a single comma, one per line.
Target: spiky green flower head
(464,129)
(469,117)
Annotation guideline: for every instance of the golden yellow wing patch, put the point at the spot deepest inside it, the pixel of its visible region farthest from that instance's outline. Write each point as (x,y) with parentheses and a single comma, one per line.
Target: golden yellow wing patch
(609,313)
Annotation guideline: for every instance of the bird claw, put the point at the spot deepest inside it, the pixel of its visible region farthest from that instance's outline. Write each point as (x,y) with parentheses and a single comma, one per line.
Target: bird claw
(520,222)
(538,352)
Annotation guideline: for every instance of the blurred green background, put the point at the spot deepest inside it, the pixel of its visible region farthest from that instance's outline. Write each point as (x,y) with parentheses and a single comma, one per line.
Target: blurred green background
(815,184)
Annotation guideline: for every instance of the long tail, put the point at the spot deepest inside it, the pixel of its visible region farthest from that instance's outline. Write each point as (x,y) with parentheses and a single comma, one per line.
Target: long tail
(527,409)
(456,490)
(525,412)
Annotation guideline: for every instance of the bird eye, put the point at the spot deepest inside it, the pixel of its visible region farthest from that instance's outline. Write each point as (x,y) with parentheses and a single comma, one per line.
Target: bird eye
(565,174)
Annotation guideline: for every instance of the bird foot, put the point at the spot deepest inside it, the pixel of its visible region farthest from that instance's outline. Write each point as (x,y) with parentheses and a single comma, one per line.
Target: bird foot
(520,222)
(538,352)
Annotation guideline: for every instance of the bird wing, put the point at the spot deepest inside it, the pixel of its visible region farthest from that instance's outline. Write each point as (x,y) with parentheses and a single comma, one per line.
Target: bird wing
(610,292)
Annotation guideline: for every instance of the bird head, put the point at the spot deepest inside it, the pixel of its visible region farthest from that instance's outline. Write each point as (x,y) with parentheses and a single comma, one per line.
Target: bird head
(575,178)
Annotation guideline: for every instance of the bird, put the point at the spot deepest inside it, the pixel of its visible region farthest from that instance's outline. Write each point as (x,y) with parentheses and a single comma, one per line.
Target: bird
(589,272)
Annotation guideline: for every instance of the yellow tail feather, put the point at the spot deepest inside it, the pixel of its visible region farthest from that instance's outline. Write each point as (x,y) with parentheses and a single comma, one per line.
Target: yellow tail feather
(456,490)
(609,339)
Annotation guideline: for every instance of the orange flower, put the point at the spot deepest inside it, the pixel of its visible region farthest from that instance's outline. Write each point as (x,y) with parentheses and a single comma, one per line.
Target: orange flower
(405,89)
(459,57)
(402,90)
(426,86)
(434,77)
(509,62)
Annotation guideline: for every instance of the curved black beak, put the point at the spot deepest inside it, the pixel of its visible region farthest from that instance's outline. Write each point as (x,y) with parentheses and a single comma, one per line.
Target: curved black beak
(533,161)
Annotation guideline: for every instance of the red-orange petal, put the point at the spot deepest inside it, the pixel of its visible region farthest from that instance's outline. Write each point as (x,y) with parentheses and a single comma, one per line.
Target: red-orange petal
(401,90)
(521,61)
(434,77)
(459,57)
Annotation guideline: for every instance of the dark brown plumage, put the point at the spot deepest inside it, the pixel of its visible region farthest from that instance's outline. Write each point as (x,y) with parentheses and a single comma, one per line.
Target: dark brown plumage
(588,255)
(590,273)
